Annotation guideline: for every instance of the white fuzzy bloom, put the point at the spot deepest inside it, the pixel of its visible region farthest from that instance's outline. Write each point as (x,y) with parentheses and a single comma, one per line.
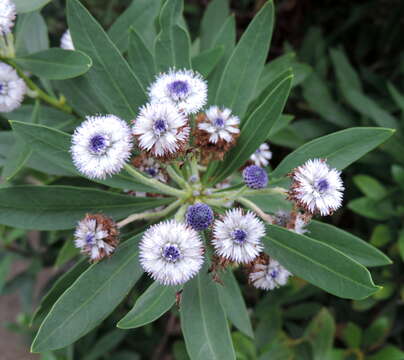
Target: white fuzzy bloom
(300,225)
(101,146)
(92,239)
(7,16)
(269,276)
(153,168)
(161,129)
(12,88)
(66,41)
(171,252)
(221,124)
(237,236)
(185,89)
(262,155)
(316,187)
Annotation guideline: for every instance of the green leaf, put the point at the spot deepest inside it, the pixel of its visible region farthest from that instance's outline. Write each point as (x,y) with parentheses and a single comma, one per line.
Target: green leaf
(60,207)
(347,77)
(67,252)
(151,305)
(5,267)
(401,244)
(172,45)
(373,209)
(381,235)
(352,335)
(233,303)
(377,332)
(320,334)
(397,173)
(350,245)
(55,63)
(58,288)
(396,95)
(319,98)
(340,149)
(225,38)
(255,130)
(54,145)
(90,299)
(206,61)
(244,347)
(213,18)
(319,264)
(203,320)
(110,77)
(370,187)
(244,67)
(105,344)
(31,34)
(389,352)
(140,16)
(24,6)
(140,59)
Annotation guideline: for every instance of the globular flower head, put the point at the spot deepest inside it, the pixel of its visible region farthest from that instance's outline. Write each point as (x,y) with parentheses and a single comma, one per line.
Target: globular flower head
(237,236)
(268,275)
(316,187)
(262,155)
(66,41)
(220,125)
(12,88)
(101,146)
(184,89)
(150,167)
(7,16)
(96,236)
(199,216)
(255,177)
(161,130)
(171,252)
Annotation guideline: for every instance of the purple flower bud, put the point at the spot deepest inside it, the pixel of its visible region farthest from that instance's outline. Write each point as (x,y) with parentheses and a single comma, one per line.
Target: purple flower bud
(199,216)
(255,177)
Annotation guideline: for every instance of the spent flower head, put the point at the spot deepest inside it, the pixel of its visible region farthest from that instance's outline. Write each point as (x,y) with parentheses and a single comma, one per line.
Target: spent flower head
(12,88)
(7,16)
(268,275)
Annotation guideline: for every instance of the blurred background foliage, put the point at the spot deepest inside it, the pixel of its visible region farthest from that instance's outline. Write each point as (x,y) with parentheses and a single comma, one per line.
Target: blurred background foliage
(348,59)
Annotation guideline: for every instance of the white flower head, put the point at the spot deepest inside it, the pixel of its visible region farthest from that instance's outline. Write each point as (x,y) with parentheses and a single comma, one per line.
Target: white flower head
(101,146)
(237,236)
(96,236)
(12,88)
(153,168)
(161,129)
(295,222)
(269,276)
(316,187)
(262,155)
(220,124)
(66,41)
(171,252)
(7,16)
(185,89)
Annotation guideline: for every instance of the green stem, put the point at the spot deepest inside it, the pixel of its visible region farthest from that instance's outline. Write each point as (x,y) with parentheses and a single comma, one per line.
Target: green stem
(247,203)
(177,178)
(179,216)
(165,189)
(250,192)
(150,215)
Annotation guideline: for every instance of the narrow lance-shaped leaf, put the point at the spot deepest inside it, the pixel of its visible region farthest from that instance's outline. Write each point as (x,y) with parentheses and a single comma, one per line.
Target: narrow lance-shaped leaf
(255,130)
(24,6)
(203,320)
(60,207)
(243,69)
(206,61)
(213,18)
(111,78)
(55,63)
(349,244)
(54,145)
(172,46)
(319,264)
(340,149)
(152,304)
(90,299)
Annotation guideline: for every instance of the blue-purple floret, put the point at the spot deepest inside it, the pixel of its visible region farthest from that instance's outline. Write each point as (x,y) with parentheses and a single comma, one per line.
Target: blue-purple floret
(255,177)
(199,216)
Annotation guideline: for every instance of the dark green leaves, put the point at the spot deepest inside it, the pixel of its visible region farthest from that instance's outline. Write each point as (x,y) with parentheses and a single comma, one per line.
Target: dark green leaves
(340,149)
(350,245)
(243,69)
(203,320)
(319,264)
(255,130)
(60,207)
(24,6)
(172,43)
(91,298)
(110,76)
(212,21)
(152,304)
(55,63)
